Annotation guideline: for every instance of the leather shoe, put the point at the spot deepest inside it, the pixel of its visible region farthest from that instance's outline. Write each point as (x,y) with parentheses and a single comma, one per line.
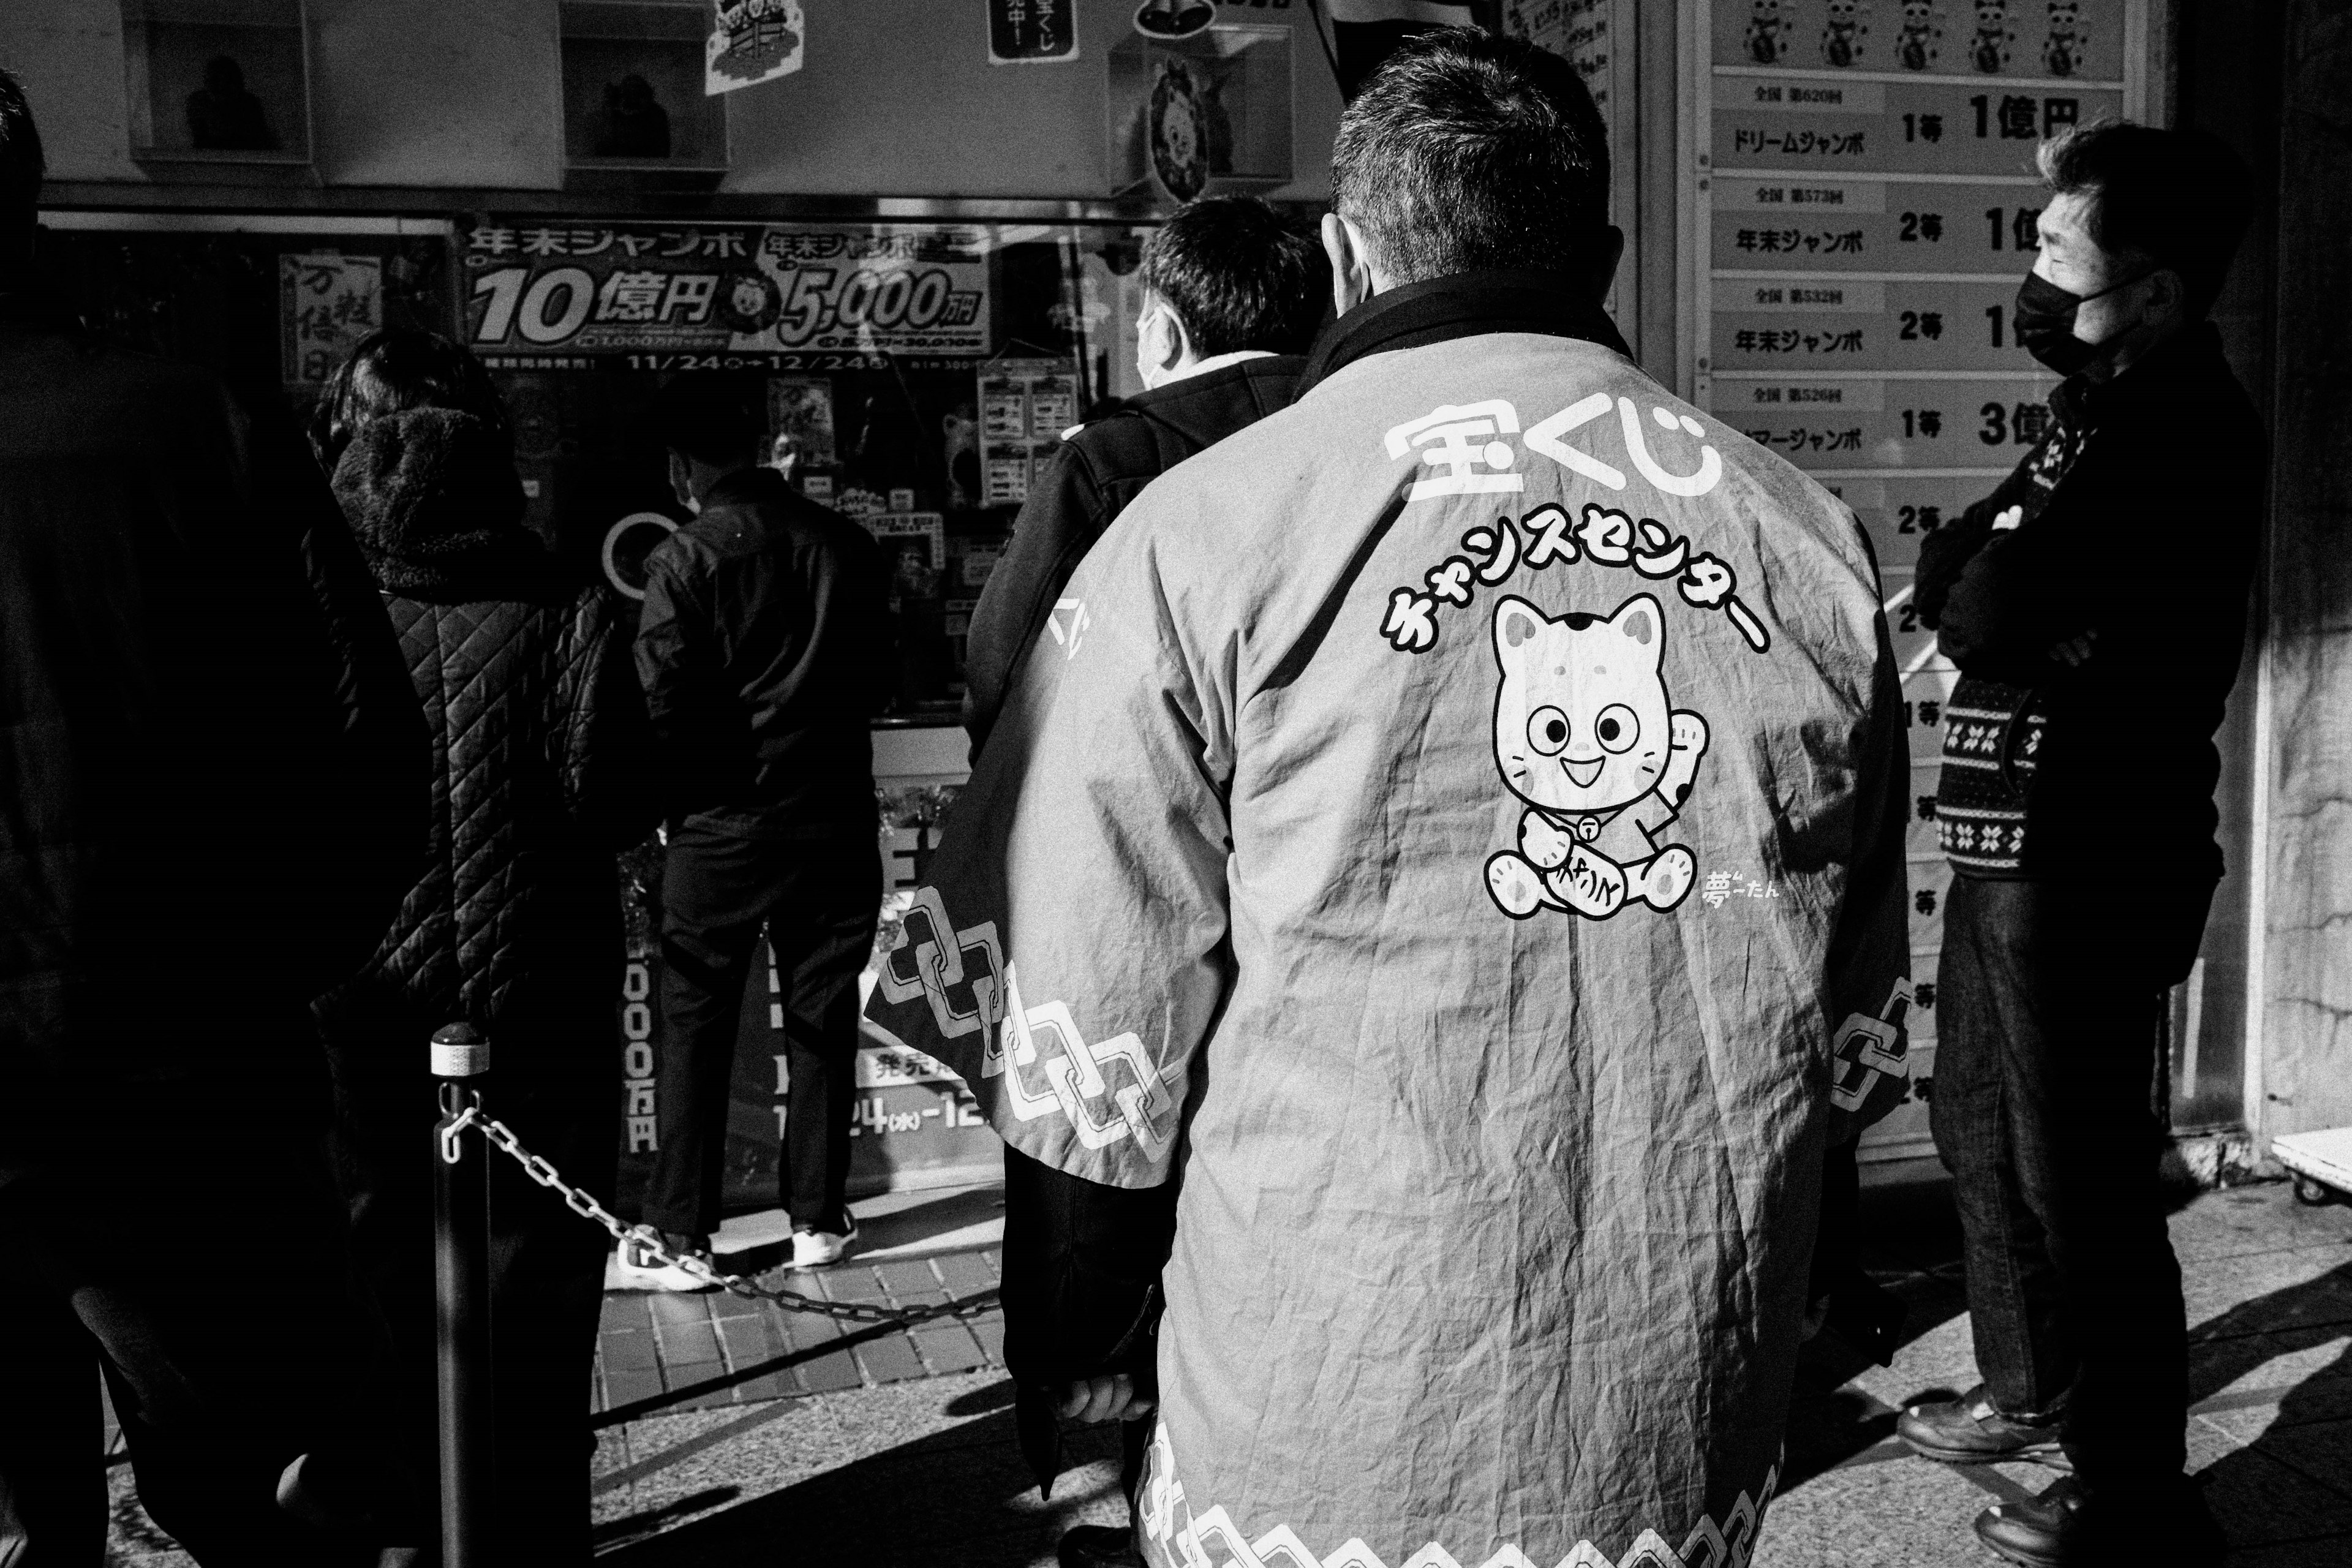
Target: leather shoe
(2066,1527)
(1971,1430)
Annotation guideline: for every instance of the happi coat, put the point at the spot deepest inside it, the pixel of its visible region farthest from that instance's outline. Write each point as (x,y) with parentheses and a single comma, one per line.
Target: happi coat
(1443,829)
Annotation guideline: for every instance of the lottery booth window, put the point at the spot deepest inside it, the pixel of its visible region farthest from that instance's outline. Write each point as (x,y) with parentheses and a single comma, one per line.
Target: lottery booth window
(633,99)
(216,81)
(915,376)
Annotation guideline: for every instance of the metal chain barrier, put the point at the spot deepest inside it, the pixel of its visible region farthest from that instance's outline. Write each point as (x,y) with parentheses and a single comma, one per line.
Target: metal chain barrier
(644,1239)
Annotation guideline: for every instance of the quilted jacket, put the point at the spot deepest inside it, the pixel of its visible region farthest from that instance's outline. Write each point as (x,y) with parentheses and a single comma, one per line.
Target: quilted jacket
(209,762)
(540,745)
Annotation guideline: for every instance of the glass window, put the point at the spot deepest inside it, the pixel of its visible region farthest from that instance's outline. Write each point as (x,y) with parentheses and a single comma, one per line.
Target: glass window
(217,80)
(917,376)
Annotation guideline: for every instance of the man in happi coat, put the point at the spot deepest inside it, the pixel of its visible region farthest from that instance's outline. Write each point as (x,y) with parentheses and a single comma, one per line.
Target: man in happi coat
(1443,865)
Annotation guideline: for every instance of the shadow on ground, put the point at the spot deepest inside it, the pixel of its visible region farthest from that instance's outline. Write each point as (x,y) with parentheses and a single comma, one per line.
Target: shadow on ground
(957,1499)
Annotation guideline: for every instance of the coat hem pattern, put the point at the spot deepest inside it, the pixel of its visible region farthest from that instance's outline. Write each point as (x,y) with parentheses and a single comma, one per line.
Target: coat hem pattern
(1176,1537)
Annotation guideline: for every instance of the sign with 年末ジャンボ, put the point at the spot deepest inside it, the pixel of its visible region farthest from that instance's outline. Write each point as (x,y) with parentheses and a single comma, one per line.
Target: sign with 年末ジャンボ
(1861,206)
(578,294)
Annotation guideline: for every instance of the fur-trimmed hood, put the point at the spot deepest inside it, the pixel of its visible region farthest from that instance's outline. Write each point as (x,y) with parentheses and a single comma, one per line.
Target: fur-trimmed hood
(432,497)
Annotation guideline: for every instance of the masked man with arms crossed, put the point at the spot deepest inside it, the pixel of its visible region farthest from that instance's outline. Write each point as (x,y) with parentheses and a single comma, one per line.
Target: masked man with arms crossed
(2095,603)
(1469,807)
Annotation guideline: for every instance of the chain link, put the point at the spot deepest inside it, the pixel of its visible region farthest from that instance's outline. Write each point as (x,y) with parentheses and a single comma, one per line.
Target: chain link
(646,1240)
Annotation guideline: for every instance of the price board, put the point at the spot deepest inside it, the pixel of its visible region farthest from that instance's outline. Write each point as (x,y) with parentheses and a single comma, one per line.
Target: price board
(1859,207)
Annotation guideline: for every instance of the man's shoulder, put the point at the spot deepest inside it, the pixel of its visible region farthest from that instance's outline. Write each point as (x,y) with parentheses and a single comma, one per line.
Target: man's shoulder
(1149,433)
(778,519)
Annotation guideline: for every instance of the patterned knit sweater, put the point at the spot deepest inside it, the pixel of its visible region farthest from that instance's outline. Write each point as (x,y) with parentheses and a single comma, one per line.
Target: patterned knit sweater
(1992,729)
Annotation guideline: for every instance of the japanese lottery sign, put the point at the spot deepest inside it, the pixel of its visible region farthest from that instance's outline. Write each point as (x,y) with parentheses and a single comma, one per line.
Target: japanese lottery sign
(1863,210)
(577,295)
(326,303)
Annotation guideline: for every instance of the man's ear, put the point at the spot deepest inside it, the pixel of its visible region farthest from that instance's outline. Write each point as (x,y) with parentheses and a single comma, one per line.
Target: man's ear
(1170,343)
(2163,298)
(682,478)
(1605,262)
(1353,278)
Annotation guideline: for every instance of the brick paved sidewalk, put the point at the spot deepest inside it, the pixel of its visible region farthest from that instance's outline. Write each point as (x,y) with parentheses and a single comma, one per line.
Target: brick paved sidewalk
(662,1354)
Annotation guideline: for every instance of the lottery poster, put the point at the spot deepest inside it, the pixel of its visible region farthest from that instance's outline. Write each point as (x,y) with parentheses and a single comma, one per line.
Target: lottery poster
(1865,207)
(1024,406)
(725,296)
(327,301)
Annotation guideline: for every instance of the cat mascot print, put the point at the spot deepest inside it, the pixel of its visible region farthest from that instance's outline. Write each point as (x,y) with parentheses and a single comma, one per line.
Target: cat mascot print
(1585,737)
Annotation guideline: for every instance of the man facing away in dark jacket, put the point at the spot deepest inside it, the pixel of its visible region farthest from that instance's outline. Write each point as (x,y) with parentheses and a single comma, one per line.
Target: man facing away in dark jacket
(1232,296)
(2095,603)
(765,652)
(215,797)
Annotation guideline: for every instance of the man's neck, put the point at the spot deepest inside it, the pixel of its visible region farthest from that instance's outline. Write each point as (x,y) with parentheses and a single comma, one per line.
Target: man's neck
(1186,372)
(2141,342)
(707,480)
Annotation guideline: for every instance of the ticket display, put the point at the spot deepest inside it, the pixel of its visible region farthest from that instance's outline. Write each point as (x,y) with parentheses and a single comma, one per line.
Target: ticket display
(1873,226)
(1866,202)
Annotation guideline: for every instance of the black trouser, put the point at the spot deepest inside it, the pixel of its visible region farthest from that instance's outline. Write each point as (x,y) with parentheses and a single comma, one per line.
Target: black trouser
(819,901)
(193,1261)
(2048,1006)
(549,1082)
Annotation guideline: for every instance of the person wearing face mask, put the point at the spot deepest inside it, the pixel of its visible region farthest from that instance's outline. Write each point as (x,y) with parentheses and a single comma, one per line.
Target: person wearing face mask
(1232,296)
(2095,603)
(765,650)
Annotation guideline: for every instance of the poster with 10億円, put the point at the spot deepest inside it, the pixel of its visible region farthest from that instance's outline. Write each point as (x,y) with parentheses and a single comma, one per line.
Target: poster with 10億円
(1866,203)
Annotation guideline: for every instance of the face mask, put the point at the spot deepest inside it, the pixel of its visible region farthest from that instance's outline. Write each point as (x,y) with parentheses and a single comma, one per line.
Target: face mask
(2044,323)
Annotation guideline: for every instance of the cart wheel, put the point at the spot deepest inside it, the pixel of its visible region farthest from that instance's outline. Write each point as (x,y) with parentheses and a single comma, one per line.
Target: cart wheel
(2316,1194)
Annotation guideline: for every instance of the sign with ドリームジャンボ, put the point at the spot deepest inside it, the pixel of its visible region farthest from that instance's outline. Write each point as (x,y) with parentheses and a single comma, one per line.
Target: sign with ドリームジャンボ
(1863,207)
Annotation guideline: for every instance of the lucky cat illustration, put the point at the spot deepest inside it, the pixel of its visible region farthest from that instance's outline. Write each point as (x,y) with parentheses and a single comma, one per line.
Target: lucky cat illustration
(1988,49)
(1842,33)
(1585,736)
(1914,46)
(1764,27)
(2061,50)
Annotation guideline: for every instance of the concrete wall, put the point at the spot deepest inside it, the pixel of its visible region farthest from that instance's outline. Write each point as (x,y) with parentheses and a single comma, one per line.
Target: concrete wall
(896,99)
(2306,1061)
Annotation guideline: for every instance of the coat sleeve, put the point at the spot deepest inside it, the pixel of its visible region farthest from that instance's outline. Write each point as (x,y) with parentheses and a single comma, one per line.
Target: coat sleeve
(1069,954)
(678,672)
(367,791)
(1869,958)
(1069,957)
(1062,516)
(610,770)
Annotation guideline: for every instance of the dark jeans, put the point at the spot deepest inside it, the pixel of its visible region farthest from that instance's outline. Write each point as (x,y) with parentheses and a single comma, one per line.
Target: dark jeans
(2044,1112)
(546,1263)
(818,900)
(197,1266)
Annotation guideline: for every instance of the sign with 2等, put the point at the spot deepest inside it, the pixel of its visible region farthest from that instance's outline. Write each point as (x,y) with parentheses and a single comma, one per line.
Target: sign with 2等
(1032,32)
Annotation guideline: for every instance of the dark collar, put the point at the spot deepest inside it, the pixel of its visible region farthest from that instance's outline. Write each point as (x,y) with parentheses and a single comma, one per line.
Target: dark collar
(1462,306)
(747,487)
(2193,354)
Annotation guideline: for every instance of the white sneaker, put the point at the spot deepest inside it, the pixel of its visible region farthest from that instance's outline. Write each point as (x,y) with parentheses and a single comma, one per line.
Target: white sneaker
(814,1248)
(640,1270)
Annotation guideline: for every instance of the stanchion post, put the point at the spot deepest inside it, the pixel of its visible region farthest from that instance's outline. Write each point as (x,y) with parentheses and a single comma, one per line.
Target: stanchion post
(461,1277)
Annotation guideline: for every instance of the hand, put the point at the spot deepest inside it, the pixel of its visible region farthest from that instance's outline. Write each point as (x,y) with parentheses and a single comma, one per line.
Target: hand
(1094,1399)
(2009,519)
(2075,651)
